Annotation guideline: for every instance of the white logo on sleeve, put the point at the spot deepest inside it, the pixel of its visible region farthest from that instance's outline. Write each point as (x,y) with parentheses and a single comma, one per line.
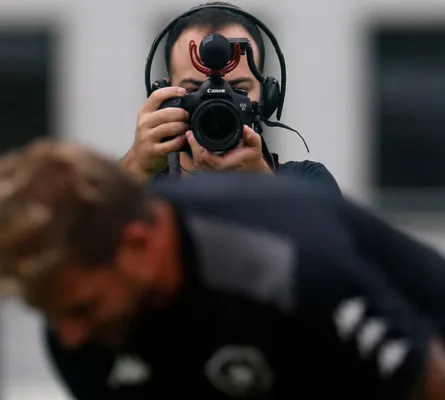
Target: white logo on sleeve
(348,316)
(239,371)
(391,357)
(370,335)
(129,371)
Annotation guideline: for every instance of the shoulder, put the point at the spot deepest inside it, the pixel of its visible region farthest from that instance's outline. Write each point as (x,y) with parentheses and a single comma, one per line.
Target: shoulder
(237,256)
(311,171)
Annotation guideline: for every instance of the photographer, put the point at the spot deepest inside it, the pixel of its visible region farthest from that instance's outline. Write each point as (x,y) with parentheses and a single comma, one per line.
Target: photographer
(150,157)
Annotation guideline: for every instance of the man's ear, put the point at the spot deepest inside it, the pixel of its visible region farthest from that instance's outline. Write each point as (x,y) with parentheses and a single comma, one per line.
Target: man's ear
(135,235)
(132,253)
(146,246)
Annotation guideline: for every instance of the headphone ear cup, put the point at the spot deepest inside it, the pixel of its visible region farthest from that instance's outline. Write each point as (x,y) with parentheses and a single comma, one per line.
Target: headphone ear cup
(270,97)
(159,84)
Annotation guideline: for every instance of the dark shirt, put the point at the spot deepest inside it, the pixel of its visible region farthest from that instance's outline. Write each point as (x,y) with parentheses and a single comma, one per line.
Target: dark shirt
(309,170)
(291,292)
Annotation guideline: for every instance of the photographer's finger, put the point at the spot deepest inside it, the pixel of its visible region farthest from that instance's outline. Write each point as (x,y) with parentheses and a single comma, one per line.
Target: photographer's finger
(197,149)
(171,146)
(165,115)
(251,138)
(166,130)
(159,96)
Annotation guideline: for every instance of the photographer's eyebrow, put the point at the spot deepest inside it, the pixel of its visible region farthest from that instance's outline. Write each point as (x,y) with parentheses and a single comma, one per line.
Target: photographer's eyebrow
(233,82)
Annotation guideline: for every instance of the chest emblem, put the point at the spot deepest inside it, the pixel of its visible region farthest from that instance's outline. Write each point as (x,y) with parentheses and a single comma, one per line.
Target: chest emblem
(239,372)
(129,371)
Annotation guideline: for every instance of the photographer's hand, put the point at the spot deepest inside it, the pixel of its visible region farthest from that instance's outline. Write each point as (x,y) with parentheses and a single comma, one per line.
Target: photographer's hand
(148,155)
(246,157)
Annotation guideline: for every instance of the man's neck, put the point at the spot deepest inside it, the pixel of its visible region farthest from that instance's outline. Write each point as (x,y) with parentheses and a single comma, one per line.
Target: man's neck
(168,277)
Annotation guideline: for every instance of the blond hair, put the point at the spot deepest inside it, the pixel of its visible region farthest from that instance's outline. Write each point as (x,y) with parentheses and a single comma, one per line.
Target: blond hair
(61,204)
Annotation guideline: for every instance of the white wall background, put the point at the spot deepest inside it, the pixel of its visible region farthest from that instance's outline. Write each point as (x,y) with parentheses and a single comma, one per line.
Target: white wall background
(101,55)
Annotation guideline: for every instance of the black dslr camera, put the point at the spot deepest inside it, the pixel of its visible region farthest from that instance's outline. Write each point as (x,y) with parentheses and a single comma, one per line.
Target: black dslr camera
(217,111)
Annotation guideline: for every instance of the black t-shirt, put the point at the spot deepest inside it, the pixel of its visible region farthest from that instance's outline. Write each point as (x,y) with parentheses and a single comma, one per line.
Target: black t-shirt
(310,171)
(291,292)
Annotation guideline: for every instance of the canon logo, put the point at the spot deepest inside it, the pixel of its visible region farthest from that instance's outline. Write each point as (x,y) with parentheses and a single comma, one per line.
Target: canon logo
(216,90)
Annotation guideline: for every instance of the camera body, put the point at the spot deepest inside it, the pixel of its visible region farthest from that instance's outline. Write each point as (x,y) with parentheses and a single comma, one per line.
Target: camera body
(217,113)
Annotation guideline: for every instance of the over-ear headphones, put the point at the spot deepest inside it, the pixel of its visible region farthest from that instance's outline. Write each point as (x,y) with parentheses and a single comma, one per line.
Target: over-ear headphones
(271,98)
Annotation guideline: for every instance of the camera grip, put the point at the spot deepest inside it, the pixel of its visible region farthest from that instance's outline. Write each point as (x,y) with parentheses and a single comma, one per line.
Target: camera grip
(173,102)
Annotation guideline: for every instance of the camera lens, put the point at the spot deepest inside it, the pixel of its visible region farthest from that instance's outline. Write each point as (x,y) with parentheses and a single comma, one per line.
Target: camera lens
(217,125)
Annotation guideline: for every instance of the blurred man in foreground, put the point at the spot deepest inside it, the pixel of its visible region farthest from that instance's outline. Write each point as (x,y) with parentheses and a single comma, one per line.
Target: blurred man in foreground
(218,293)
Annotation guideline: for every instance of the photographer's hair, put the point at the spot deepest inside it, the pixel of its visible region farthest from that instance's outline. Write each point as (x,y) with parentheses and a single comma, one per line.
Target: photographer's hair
(214,19)
(59,205)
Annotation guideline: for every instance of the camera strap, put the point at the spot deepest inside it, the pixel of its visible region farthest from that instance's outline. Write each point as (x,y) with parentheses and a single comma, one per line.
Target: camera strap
(174,165)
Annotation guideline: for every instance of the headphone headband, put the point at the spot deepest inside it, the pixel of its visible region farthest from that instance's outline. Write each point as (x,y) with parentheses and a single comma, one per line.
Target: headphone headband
(264,28)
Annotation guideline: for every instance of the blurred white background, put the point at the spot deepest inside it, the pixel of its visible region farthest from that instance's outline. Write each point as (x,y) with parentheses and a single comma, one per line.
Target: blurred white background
(97,88)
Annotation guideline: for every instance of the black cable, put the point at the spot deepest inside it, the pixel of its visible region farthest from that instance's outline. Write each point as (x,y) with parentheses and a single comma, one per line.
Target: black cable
(187,171)
(275,124)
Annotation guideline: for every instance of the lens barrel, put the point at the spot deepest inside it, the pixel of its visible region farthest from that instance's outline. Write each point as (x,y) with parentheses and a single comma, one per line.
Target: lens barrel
(217,125)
